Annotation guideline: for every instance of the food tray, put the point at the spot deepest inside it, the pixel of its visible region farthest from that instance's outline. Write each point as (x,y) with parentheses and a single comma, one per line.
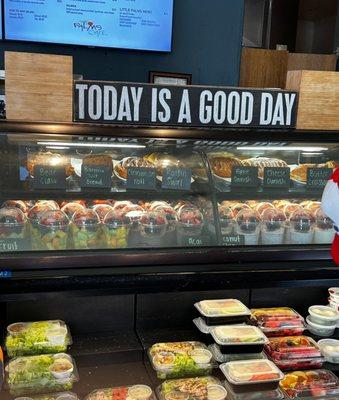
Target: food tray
(222,311)
(252,375)
(239,339)
(224,358)
(52,396)
(133,392)
(260,395)
(33,338)
(292,347)
(181,359)
(41,374)
(204,388)
(309,384)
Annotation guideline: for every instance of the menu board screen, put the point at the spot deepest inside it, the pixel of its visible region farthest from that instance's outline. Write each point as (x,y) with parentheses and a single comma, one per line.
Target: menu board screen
(129,24)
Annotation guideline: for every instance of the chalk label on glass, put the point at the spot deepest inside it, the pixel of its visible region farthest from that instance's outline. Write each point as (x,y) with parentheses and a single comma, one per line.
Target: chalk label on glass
(141,178)
(13,245)
(245,177)
(177,178)
(279,177)
(96,176)
(318,177)
(196,241)
(233,240)
(48,177)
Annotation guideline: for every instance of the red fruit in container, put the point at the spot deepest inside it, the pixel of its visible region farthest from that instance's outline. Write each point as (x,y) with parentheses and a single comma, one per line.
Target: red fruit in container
(71,208)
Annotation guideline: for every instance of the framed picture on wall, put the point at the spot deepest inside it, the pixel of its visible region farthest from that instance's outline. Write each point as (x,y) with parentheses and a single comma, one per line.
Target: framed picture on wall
(169,78)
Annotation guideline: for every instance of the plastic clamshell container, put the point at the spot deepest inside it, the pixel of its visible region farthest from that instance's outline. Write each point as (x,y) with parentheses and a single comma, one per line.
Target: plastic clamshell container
(323,315)
(262,395)
(308,384)
(33,338)
(203,388)
(330,350)
(239,339)
(278,321)
(52,396)
(318,329)
(133,392)
(222,311)
(292,347)
(181,359)
(41,374)
(300,363)
(204,328)
(224,358)
(252,375)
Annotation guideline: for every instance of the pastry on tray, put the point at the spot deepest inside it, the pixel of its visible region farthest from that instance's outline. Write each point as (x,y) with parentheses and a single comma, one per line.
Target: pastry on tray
(121,167)
(162,161)
(222,166)
(264,162)
(49,159)
(300,173)
(98,159)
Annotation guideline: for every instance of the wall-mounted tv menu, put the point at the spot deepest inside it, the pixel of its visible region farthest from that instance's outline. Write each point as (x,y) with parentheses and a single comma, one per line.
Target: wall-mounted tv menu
(128,24)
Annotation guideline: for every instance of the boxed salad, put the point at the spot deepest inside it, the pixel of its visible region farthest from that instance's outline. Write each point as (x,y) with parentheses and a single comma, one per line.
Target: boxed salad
(52,396)
(181,359)
(135,392)
(41,374)
(33,338)
(224,311)
(204,388)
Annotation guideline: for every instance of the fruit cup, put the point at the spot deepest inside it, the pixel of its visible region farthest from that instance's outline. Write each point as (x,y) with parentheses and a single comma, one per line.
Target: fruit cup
(12,223)
(324,231)
(190,225)
(34,215)
(272,227)
(53,226)
(86,229)
(302,227)
(115,230)
(248,225)
(71,208)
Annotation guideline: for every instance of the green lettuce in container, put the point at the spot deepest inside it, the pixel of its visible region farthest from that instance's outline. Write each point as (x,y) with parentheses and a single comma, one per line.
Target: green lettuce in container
(32,338)
(41,374)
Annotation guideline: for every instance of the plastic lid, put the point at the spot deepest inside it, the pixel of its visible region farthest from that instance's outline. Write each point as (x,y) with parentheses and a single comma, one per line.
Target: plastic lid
(85,217)
(102,210)
(263,206)
(71,208)
(51,396)
(120,205)
(190,216)
(324,313)
(170,213)
(153,218)
(264,395)
(290,208)
(11,217)
(135,392)
(248,220)
(329,347)
(239,335)
(16,204)
(134,212)
(115,219)
(273,219)
(251,372)
(274,319)
(222,307)
(54,219)
(292,347)
(51,203)
(299,384)
(37,210)
(190,388)
(302,220)
(322,220)
(274,312)
(155,204)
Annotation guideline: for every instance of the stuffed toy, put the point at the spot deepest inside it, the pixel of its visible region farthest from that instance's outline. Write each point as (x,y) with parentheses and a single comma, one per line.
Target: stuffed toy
(330,206)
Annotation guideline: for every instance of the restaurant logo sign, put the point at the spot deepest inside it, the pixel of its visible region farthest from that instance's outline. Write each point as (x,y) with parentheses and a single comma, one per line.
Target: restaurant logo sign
(121,103)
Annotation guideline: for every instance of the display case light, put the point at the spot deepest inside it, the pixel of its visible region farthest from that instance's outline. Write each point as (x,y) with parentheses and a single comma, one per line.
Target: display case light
(282,148)
(104,145)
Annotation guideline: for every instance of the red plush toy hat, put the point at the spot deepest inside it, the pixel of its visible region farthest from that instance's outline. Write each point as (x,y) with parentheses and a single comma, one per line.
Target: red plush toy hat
(330,206)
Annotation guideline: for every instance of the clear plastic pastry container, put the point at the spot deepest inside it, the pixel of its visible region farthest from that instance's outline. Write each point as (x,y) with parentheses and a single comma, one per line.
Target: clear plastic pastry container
(41,374)
(224,358)
(133,392)
(252,375)
(12,223)
(71,208)
(330,350)
(223,311)
(323,315)
(310,384)
(278,321)
(54,228)
(52,396)
(300,363)
(302,227)
(318,329)
(181,359)
(33,338)
(233,339)
(324,231)
(86,229)
(273,223)
(116,227)
(153,224)
(203,388)
(276,394)
(102,210)
(226,219)
(21,205)
(248,225)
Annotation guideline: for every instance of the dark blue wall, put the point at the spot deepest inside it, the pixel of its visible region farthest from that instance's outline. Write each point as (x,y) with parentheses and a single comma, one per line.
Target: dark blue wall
(206,43)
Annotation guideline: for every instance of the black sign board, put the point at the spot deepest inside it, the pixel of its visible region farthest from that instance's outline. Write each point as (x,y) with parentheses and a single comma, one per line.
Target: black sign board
(141,178)
(49,177)
(245,177)
(233,240)
(277,177)
(318,177)
(121,103)
(13,245)
(96,176)
(176,178)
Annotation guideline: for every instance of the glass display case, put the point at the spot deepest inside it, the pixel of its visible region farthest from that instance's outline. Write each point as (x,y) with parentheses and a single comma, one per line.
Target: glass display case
(83,192)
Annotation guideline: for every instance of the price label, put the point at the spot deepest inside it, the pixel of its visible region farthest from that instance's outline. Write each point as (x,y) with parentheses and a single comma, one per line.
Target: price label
(177,178)
(13,245)
(233,240)
(48,177)
(245,177)
(277,177)
(96,176)
(318,177)
(141,178)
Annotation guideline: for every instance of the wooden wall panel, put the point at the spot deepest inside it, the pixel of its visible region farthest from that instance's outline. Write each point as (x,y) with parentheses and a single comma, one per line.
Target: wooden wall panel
(314,62)
(39,87)
(263,68)
(318,99)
